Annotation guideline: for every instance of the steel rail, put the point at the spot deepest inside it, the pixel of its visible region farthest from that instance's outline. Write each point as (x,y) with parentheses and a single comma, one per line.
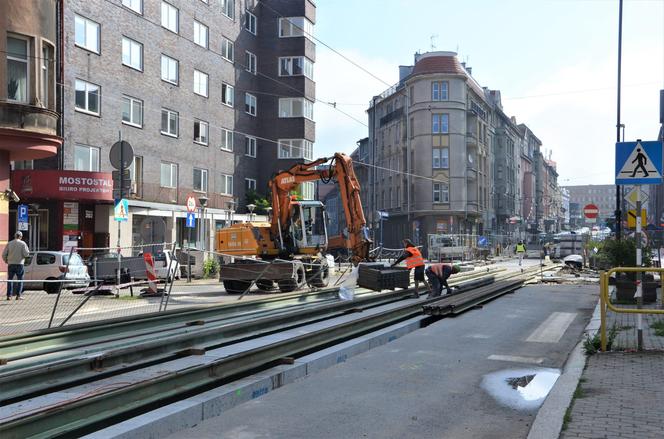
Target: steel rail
(90,410)
(76,336)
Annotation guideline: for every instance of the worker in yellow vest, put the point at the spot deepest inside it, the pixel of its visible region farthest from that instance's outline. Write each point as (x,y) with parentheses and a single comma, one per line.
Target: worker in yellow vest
(414,260)
(520,250)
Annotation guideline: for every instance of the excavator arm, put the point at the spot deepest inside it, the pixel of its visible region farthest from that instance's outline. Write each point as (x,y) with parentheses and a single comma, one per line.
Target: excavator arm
(341,169)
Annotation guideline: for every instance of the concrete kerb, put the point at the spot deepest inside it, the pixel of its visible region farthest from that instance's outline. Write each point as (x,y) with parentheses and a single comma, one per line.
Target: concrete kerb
(549,420)
(191,411)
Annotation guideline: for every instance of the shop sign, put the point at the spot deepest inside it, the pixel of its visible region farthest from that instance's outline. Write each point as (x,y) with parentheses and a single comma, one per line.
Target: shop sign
(63,185)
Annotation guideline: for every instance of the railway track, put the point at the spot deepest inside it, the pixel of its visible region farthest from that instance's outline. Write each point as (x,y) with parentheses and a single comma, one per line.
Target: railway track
(87,384)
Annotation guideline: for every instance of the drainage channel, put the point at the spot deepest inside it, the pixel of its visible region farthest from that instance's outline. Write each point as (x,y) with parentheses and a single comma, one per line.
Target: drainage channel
(127,394)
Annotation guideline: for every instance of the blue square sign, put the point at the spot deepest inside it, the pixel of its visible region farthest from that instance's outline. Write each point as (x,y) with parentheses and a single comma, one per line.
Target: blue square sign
(191,220)
(22,213)
(639,162)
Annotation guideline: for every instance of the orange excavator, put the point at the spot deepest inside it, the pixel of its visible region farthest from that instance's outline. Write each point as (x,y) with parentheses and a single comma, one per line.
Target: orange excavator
(290,249)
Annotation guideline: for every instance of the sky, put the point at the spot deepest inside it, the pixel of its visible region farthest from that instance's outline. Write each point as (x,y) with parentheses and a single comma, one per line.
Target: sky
(554,61)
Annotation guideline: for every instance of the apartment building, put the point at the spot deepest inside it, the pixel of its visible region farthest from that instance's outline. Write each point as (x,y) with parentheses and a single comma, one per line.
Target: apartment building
(29,111)
(429,149)
(214,96)
(601,195)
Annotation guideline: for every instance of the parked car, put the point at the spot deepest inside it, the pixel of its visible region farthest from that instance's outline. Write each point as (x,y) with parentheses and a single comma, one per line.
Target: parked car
(162,262)
(52,265)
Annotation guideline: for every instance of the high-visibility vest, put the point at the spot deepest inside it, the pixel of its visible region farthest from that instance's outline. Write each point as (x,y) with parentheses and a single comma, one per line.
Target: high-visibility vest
(520,248)
(415,259)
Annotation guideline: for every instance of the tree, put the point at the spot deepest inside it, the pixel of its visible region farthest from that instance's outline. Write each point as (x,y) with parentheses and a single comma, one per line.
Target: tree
(257,199)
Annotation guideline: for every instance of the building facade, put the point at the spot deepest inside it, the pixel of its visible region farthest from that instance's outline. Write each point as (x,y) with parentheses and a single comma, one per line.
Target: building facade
(213,96)
(430,138)
(601,195)
(29,104)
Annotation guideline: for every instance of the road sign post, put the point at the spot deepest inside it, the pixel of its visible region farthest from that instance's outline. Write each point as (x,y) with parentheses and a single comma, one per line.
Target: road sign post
(639,163)
(121,157)
(191,219)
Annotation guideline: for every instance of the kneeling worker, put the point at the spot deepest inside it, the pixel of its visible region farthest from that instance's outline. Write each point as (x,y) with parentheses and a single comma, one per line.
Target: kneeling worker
(414,260)
(438,275)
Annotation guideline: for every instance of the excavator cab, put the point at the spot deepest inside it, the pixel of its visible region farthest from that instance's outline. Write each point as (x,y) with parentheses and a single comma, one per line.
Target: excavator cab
(308,226)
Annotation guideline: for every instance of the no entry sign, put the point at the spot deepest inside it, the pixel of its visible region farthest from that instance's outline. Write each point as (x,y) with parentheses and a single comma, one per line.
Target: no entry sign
(590,211)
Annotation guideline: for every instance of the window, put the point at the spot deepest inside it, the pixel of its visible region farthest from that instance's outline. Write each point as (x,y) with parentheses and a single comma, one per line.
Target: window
(250,22)
(132,53)
(169,69)
(250,184)
(296,107)
(227,94)
(308,190)
(132,111)
(250,146)
(200,180)
(441,193)
(227,50)
(46,74)
(440,123)
(250,62)
(17,165)
(225,184)
(86,158)
(441,158)
(296,149)
(439,90)
(228,8)
(250,104)
(169,175)
(170,17)
(134,5)
(200,34)
(200,132)
(87,97)
(17,69)
(200,83)
(296,66)
(295,27)
(86,34)
(169,122)
(136,175)
(226,139)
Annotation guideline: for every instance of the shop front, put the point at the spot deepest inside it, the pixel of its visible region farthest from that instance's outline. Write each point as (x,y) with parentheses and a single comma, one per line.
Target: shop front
(63,208)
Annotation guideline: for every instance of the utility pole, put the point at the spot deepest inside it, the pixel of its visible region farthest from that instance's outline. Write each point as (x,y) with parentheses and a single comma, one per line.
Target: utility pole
(618,214)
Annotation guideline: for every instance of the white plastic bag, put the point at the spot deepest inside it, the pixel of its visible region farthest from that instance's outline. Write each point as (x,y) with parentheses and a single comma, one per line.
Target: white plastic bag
(347,289)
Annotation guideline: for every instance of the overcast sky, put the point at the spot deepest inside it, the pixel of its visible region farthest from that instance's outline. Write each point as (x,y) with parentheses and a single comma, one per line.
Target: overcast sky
(553,60)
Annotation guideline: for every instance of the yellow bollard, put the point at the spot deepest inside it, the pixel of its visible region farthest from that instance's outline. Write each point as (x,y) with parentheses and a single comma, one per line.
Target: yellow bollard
(603,297)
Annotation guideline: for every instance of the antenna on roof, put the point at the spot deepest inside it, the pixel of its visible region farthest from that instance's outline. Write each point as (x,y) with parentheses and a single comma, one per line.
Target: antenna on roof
(433,42)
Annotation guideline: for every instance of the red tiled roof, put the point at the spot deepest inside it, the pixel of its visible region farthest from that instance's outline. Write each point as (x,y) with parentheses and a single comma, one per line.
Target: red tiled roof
(438,64)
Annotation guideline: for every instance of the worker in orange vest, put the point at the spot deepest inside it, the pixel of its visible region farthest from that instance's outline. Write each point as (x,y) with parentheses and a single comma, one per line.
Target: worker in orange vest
(414,260)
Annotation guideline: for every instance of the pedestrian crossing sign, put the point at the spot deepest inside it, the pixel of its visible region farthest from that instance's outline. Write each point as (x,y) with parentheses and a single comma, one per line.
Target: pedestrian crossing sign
(639,162)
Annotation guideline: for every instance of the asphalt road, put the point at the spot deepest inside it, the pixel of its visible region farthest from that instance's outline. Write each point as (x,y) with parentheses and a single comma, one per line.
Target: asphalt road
(480,375)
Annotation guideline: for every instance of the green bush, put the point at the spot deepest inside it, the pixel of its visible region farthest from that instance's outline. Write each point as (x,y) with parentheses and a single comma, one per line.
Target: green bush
(622,253)
(210,267)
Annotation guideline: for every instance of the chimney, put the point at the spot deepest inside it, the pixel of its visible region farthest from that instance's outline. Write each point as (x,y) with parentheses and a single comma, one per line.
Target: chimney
(469,70)
(404,71)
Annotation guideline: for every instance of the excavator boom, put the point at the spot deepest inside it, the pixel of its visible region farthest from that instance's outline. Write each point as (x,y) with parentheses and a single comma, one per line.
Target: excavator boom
(340,169)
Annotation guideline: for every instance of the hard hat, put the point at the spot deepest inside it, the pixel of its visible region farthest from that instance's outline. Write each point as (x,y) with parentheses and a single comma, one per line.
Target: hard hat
(456,268)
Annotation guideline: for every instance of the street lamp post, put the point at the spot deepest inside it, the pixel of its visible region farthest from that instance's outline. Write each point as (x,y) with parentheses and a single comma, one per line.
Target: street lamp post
(203,200)
(251,208)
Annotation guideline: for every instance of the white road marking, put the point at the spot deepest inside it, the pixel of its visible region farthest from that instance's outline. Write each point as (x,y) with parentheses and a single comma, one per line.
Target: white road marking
(553,328)
(482,336)
(516,359)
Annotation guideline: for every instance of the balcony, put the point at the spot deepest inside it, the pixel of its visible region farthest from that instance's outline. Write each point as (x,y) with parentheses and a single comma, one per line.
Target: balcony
(471,137)
(28,132)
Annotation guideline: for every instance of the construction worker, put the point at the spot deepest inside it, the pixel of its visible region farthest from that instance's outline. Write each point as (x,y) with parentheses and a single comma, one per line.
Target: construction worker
(438,275)
(414,260)
(520,250)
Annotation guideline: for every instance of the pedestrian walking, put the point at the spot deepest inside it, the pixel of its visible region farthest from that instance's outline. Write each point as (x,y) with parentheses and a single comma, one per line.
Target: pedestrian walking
(438,275)
(14,256)
(414,260)
(520,250)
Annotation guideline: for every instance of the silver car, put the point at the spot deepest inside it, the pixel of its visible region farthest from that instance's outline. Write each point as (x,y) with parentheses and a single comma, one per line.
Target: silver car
(43,266)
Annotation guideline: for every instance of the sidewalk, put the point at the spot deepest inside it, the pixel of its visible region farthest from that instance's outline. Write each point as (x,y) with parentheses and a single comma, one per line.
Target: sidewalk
(621,393)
